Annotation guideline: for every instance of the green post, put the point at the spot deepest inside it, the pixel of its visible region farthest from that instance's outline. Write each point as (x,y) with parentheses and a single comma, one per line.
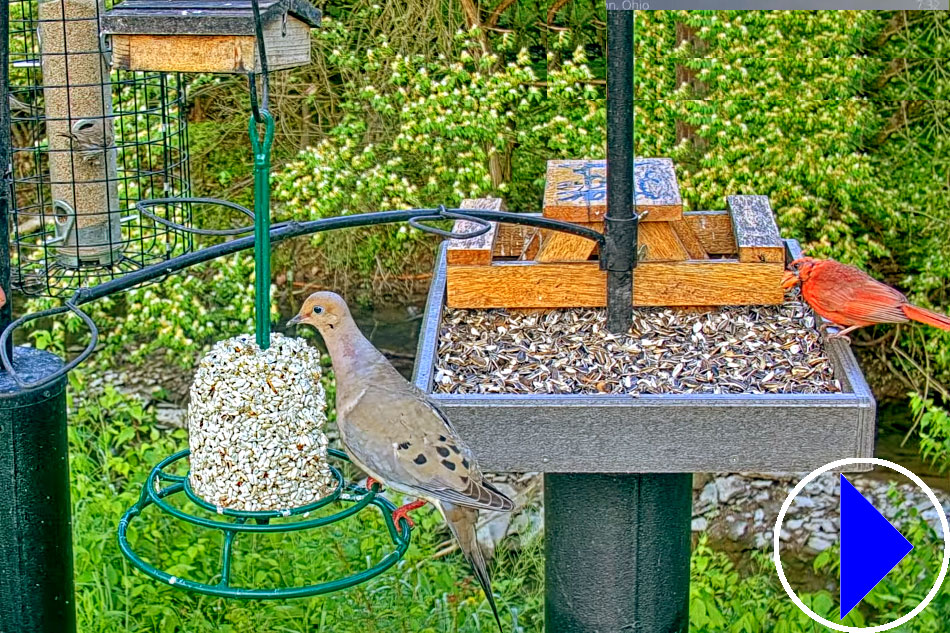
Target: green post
(36,561)
(617,551)
(262,226)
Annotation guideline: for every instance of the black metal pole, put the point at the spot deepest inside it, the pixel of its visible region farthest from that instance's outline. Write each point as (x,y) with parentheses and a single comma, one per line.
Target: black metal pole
(620,225)
(36,560)
(6,165)
(617,546)
(617,553)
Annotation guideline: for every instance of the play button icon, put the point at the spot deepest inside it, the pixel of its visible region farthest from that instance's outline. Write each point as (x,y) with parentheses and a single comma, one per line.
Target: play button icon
(870,547)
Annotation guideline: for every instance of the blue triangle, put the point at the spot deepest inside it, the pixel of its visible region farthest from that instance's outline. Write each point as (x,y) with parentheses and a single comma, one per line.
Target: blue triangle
(870,547)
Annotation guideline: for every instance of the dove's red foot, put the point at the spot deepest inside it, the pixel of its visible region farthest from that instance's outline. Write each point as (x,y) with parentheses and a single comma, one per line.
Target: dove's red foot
(369,484)
(403,512)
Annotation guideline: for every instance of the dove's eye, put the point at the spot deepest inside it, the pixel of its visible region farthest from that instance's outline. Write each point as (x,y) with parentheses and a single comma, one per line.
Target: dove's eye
(318,309)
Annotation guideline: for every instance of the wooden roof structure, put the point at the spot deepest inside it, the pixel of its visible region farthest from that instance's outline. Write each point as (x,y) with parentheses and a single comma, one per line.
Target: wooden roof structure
(201,17)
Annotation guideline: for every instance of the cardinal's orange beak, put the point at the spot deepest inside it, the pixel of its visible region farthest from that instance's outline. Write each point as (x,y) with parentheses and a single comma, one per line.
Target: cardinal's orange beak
(789,280)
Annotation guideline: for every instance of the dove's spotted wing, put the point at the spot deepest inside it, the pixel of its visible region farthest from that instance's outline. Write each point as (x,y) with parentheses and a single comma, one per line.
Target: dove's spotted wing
(408,441)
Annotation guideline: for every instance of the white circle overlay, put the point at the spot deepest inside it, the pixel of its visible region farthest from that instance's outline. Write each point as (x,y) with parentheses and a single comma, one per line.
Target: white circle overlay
(849,462)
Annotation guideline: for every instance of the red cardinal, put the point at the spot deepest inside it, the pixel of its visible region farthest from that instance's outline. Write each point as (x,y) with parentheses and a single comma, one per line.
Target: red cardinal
(850,297)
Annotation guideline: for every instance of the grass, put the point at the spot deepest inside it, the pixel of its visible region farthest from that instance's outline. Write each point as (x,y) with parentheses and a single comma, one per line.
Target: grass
(114,443)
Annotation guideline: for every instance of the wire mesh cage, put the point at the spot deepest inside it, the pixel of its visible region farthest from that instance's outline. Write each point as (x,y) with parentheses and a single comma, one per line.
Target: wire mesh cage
(87,144)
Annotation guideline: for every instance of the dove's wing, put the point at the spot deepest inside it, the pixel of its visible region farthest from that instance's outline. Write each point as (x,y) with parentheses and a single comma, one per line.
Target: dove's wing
(405,439)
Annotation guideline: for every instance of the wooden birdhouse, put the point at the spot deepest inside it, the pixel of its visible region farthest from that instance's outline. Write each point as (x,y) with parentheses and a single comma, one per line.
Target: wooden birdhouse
(209,36)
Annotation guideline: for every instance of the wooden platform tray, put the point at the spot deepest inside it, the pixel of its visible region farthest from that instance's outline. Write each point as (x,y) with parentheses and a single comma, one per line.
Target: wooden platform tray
(710,258)
(656,433)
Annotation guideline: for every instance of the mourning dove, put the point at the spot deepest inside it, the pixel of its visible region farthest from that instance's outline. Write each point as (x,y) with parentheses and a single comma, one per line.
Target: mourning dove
(398,436)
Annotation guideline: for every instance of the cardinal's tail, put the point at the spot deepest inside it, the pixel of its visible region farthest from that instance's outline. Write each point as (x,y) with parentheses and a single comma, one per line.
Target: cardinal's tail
(462,521)
(926,316)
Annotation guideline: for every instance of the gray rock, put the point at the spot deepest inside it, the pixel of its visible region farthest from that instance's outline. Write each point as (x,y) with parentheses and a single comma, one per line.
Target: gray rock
(708,498)
(801,501)
(700,525)
(818,543)
(738,530)
(729,487)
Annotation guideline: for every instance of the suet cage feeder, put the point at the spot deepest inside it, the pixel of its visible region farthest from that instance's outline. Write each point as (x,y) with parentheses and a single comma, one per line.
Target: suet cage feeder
(87,144)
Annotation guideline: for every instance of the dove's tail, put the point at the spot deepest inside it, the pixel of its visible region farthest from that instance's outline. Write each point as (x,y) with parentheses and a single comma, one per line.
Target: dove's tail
(462,521)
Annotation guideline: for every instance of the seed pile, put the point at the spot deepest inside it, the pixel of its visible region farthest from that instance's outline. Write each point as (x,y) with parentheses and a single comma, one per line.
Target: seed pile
(773,349)
(255,426)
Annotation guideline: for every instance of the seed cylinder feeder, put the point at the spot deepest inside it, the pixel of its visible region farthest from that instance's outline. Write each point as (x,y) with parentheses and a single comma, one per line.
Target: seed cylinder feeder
(255,426)
(80,129)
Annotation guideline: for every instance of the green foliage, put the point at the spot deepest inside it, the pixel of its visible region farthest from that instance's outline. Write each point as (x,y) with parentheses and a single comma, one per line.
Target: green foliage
(178,320)
(726,600)
(934,431)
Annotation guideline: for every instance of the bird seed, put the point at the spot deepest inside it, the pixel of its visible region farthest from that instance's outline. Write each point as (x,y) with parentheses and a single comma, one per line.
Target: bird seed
(255,426)
(747,349)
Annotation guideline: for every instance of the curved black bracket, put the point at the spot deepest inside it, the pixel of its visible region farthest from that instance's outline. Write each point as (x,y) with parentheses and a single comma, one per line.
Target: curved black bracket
(144,206)
(444,214)
(68,306)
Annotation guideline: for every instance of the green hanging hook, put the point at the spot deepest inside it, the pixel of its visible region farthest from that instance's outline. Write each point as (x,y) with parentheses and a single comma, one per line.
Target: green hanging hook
(262,226)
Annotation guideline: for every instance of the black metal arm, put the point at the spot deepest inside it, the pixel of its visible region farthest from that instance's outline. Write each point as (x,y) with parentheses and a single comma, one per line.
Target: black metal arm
(278,233)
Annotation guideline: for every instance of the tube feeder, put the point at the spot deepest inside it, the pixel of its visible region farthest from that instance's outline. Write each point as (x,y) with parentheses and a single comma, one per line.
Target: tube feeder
(78,95)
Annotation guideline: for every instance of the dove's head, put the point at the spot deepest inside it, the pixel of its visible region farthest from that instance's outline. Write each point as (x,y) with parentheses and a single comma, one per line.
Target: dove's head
(323,310)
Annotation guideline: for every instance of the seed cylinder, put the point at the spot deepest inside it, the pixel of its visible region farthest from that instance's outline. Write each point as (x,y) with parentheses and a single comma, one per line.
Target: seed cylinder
(255,425)
(80,128)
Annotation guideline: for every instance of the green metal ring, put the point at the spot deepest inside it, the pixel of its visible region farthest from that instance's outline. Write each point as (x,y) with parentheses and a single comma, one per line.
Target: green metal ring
(154,493)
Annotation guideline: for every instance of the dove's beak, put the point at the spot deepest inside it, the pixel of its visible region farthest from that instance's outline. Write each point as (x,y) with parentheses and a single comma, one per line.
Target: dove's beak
(295,321)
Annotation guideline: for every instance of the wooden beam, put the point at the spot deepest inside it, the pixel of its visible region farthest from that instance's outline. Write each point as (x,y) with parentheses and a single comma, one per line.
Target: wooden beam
(510,239)
(477,250)
(583,284)
(756,233)
(713,229)
(557,246)
(213,53)
(692,244)
(576,190)
(662,243)
(531,246)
